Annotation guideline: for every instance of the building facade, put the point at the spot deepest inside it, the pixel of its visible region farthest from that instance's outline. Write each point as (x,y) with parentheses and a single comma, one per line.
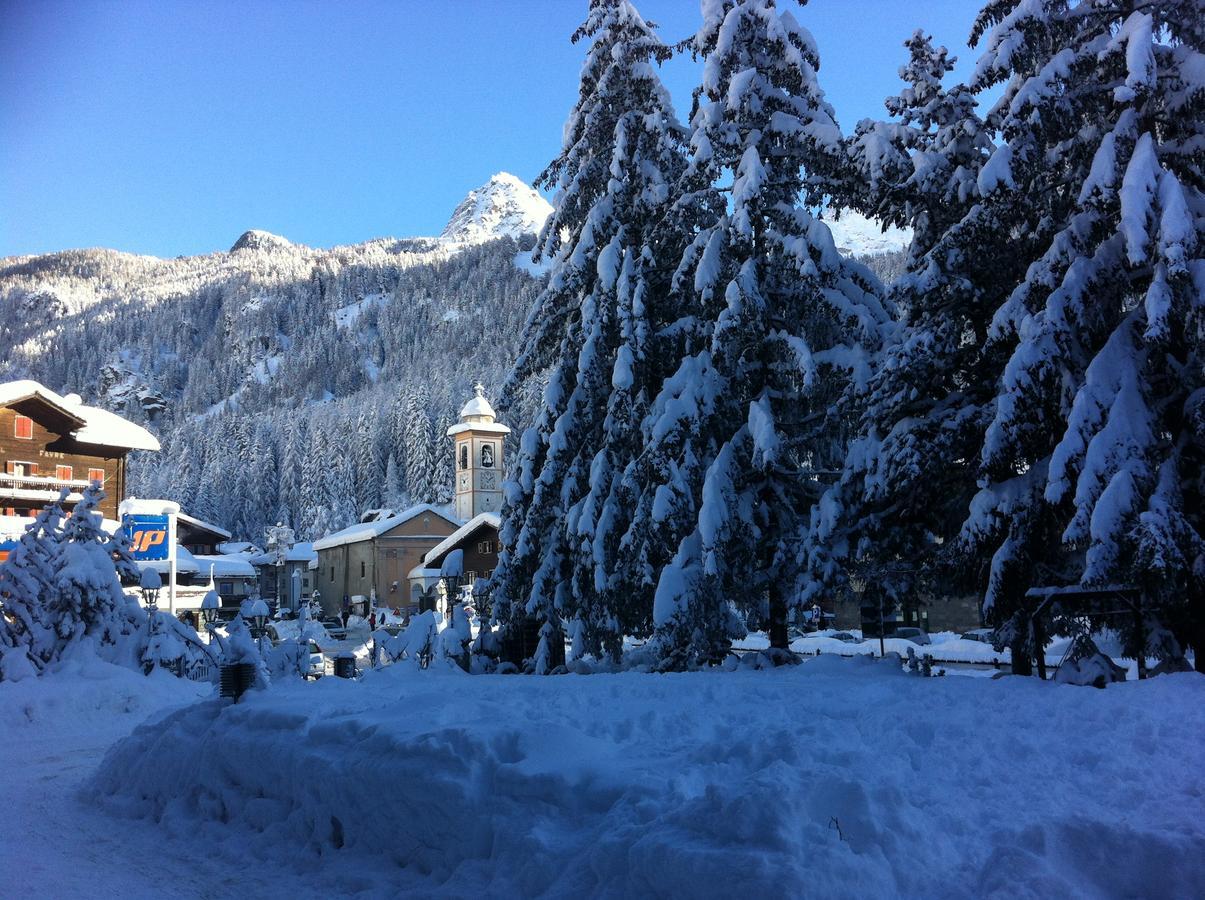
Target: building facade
(455,566)
(373,558)
(51,442)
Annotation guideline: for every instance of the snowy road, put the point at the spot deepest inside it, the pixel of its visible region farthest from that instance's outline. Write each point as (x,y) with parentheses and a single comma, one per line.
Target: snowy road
(53,844)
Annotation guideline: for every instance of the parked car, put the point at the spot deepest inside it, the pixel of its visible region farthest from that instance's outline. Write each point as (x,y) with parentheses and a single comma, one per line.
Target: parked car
(317,661)
(982,635)
(846,637)
(915,635)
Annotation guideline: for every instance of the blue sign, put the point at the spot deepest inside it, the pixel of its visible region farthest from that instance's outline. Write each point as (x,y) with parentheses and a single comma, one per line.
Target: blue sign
(149,539)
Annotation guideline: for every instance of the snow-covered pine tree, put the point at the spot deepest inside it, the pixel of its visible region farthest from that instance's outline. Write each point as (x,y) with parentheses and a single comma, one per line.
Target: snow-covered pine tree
(1097,425)
(394,495)
(419,451)
(86,598)
(912,464)
(621,157)
(27,635)
(794,330)
(369,469)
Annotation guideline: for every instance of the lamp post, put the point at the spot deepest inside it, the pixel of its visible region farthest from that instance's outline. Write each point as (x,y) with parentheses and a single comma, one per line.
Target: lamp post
(150,583)
(280,539)
(860,586)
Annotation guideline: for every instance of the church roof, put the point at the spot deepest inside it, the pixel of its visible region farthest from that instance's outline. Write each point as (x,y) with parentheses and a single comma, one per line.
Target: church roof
(365,531)
(478,406)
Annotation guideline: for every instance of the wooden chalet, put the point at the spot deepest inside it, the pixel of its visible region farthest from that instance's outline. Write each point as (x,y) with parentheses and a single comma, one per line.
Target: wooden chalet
(51,442)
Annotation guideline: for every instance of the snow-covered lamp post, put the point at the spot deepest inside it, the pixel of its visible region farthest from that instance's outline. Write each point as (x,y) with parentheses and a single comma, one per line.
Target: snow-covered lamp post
(257,612)
(150,583)
(280,539)
(860,585)
(209,608)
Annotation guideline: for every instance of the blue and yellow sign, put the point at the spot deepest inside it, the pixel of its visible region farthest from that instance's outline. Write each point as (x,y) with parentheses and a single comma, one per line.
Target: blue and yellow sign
(149,538)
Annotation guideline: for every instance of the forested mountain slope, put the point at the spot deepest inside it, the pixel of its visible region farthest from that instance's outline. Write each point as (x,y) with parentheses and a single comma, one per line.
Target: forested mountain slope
(289,383)
(286,382)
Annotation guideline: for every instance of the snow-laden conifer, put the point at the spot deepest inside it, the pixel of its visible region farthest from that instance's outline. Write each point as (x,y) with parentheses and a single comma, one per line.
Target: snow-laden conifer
(911,466)
(1096,427)
(27,578)
(613,179)
(86,598)
(788,328)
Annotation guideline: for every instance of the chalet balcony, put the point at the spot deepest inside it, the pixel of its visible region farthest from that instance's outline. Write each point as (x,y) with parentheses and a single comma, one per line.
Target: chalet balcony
(40,487)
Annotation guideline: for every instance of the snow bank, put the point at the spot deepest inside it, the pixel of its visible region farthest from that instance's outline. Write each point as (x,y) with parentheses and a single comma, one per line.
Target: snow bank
(87,694)
(837,777)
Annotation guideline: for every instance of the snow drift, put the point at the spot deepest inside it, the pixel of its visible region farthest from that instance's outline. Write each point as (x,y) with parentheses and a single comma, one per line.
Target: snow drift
(839,777)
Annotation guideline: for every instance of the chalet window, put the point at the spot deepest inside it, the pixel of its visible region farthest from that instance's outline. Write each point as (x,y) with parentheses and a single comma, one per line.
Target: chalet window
(62,473)
(226,588)
(20,468)
(23,428)
(97,475)
(469,577)
(485,547)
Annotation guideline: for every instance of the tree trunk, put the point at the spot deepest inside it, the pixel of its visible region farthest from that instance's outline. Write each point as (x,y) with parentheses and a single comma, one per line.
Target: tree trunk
(779,638)
(1022,658)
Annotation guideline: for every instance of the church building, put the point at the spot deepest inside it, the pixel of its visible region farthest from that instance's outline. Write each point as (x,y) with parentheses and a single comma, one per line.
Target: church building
(389,555)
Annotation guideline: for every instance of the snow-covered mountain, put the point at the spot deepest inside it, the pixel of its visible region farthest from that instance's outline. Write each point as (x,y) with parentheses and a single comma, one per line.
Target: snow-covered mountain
(273,354)
(260,240)
(504,206)
(857,235)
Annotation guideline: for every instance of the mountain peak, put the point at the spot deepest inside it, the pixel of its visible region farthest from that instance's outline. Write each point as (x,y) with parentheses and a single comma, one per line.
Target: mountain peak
(505,206)
(260,240)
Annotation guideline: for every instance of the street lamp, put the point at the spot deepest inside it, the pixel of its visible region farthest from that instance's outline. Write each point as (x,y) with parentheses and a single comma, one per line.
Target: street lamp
(209,608)
(860,585)
(280,539)
(150,583)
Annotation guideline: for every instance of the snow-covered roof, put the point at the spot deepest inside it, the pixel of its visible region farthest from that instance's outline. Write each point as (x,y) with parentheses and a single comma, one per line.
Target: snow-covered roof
(225,566)
(246,547)
(478,406)
(423,572)
(478,415)
(489,519)
(186,563)
(366,531)
(302,551)
(207,526)
(95,426)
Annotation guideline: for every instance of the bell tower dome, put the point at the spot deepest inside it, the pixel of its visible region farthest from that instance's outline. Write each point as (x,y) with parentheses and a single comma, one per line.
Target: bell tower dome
(478,443)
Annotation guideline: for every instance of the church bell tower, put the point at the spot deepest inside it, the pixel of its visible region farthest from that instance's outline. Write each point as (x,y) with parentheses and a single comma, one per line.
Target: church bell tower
(478,442)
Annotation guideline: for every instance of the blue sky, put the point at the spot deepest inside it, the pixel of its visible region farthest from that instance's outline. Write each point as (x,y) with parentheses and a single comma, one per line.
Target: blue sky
(172,127)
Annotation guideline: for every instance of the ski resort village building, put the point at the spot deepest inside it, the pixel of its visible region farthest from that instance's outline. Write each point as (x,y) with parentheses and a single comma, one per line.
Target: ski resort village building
(371,559)
(399,557)
(51,442)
